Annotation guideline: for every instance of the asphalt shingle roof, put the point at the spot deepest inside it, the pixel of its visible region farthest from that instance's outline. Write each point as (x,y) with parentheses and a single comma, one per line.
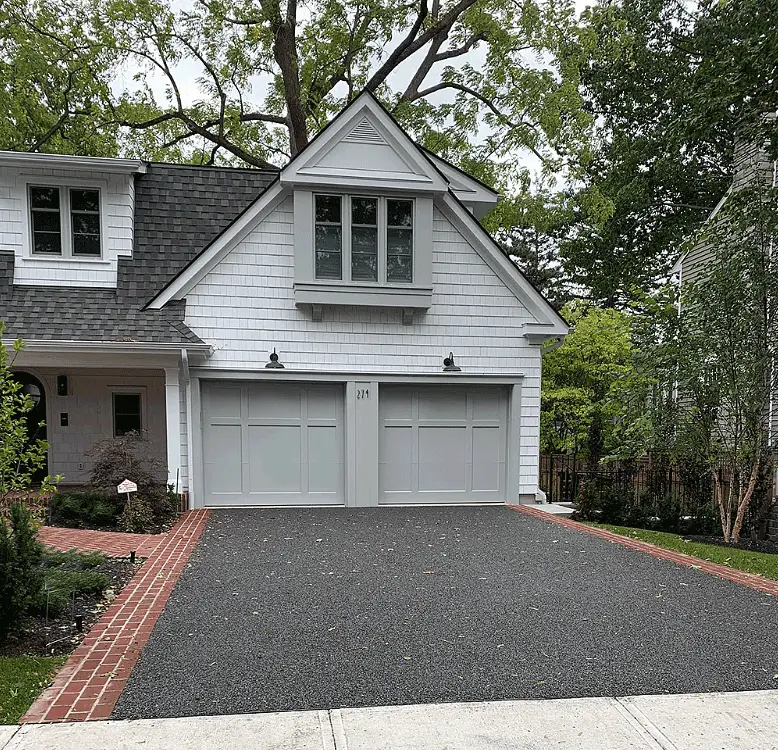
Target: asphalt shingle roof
(179,210)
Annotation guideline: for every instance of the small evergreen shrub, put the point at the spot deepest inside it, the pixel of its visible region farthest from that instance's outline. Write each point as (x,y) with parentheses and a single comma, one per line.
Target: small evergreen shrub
(92,510)
(21,578)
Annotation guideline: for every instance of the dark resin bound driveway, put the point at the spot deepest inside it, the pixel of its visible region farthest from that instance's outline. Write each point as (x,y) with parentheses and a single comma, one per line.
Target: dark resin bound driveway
(313,609)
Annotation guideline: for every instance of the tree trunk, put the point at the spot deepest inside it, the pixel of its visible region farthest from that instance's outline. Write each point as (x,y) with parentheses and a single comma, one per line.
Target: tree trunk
(719,493)
(285,52)
(745,500)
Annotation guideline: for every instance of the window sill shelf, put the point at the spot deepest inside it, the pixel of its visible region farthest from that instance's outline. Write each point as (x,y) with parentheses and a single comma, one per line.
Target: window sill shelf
(365,295)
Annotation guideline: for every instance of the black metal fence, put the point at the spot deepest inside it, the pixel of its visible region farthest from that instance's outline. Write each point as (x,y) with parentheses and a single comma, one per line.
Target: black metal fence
(562,476)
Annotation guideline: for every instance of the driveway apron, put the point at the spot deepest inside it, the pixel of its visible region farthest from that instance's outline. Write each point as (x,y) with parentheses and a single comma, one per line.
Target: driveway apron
(293,609)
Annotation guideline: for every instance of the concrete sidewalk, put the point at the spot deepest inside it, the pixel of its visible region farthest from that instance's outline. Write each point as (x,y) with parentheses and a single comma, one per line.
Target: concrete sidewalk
(711,721)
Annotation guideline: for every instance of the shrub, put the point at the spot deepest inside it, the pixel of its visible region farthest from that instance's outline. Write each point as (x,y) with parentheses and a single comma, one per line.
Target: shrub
(86,509)
(60,586)
(130,457)
(137,515)
(72,560)
(20,557)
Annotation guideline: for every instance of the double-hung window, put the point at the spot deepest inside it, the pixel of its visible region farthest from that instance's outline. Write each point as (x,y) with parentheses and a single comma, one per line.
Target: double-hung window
(363,239)
(65,221)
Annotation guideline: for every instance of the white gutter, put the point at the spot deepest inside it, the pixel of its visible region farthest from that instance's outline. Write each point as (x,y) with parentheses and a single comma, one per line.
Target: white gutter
(66,161)
(115,347)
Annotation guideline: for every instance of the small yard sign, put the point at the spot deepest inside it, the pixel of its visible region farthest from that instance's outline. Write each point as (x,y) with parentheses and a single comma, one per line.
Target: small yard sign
(127,486)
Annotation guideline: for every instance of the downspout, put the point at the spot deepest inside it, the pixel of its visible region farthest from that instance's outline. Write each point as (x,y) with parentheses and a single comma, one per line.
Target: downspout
(555,345)
(188,403)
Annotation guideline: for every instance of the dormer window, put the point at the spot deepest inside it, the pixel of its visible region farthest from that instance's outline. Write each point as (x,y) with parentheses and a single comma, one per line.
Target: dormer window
(65,221)
(376,246)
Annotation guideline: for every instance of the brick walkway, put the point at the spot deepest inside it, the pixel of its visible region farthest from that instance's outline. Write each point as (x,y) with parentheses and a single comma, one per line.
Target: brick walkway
(111,543)
(92,680)
(765,585)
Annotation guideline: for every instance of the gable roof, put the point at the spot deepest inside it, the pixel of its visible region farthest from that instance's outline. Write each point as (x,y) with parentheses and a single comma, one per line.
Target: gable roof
(367,109)
(178,209)
(364,145)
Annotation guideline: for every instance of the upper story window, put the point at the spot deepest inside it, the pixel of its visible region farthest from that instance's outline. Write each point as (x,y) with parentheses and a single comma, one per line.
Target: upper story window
(363,239)
(65,221)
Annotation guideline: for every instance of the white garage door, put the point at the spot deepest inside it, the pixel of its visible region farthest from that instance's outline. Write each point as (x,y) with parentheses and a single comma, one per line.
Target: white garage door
(267,444)
(442,444)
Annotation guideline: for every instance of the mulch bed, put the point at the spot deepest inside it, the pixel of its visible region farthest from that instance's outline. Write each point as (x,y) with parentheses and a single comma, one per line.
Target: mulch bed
(748,544)
(37,637)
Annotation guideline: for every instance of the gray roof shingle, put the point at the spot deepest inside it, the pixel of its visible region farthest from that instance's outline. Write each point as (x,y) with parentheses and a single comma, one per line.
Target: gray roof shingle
(179,210)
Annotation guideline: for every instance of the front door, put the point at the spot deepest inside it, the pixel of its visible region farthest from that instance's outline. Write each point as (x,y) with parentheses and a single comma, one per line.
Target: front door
(36,417)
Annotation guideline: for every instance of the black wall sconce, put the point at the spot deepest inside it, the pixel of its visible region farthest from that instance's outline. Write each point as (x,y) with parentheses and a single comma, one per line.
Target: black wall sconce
(448,364)
(274,363)
(62,385)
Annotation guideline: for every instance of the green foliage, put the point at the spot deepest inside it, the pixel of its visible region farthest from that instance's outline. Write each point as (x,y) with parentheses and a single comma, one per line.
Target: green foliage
(578,412)
(131,457)
(72,560)
(60,586)
(673,83)
(137,516)
(20,558)
(21,680)
(89,510)
(760,563)
(20,457)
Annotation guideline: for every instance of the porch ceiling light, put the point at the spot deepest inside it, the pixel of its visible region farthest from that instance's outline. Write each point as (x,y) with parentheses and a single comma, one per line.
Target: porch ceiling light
(274,363)
(448,364)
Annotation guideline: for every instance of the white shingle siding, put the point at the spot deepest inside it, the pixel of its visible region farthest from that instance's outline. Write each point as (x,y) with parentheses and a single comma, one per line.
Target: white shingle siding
(245,307)
(118,197)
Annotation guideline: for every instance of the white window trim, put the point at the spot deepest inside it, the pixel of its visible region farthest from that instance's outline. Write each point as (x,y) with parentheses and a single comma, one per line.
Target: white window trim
(65,187)
(382,239)
(129,391)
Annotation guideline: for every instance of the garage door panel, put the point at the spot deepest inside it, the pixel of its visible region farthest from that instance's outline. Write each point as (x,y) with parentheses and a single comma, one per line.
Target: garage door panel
(395,404)
(396,462)
(269,402)
(325,460)
(443,406)
(225,403)
(321,405)
(274,458)
(451,449)
(223,473)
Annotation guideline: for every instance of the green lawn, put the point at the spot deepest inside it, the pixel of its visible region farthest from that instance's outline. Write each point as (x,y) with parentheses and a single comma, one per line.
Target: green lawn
(761,563)
(21,680)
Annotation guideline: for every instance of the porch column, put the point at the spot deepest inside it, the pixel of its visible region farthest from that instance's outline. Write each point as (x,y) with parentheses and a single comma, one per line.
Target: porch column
(173,422)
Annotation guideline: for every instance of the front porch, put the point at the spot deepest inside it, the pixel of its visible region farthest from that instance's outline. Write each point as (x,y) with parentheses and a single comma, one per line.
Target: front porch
(88,397)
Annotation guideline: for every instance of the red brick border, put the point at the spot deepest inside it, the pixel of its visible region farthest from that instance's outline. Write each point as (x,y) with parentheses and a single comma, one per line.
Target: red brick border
(765,585)
(93,678)
(110,543)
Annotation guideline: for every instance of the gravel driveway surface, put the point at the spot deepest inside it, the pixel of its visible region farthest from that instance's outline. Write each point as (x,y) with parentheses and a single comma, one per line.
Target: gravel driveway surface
(311,609)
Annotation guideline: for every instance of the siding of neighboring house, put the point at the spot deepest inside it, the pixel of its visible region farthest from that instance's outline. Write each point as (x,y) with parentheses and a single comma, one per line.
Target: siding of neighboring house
(750,164)
(118,202)
(245,307)
(89,406)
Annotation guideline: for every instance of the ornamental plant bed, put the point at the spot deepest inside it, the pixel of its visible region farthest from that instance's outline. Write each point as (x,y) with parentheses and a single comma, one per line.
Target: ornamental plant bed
(77,587)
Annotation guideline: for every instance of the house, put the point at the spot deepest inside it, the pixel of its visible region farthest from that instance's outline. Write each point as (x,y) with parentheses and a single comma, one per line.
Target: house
(338,332)
(753,168)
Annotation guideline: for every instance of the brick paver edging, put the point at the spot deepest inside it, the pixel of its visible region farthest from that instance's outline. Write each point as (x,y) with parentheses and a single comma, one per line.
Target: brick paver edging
(93,678)
(765,585)
(110,543)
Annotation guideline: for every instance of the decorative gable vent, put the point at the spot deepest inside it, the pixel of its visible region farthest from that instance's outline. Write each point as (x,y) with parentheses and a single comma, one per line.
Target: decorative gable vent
(365,132)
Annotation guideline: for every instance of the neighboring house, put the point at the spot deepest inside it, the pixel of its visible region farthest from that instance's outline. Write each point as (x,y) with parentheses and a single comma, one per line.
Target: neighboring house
(151,297)
(752,166)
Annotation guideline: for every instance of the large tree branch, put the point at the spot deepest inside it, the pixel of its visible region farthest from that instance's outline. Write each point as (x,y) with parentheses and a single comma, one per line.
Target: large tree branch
(413,43)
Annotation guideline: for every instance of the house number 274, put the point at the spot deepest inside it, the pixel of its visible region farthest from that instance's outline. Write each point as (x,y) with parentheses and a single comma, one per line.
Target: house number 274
(363,393)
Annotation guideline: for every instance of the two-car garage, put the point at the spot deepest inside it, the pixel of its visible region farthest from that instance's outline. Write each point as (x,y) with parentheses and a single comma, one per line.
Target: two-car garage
(271,443)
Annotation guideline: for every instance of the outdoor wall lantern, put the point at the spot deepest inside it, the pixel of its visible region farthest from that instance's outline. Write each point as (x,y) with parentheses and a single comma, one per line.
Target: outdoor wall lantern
(274,363)
(448,364)
(32,390)
(62,385)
